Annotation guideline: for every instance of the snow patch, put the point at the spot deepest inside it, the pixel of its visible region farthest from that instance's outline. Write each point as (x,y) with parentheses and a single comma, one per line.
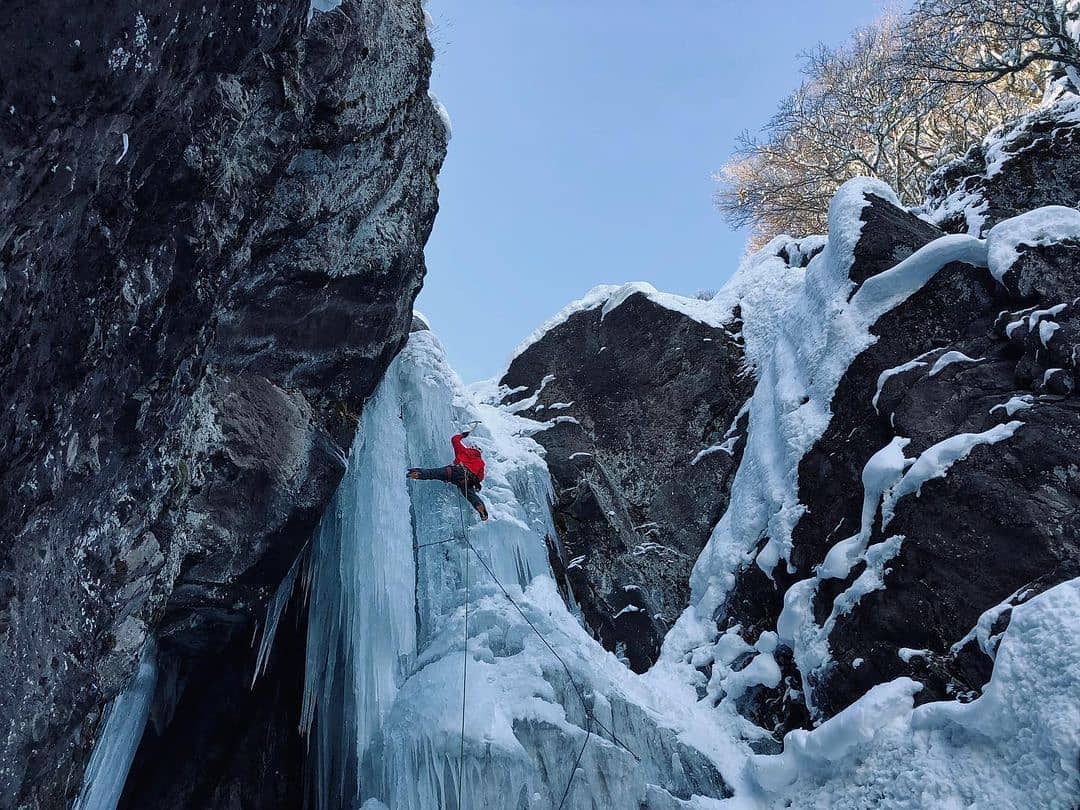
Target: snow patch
(1041,227)
(935,461)
(949,358)
(889,373)
(1017,746)
(1046,332)
(1015,404)
(726,446)
(440,109)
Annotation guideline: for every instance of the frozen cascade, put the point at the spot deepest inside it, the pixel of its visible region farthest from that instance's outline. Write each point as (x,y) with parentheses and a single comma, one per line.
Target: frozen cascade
(119,738)
(386,637)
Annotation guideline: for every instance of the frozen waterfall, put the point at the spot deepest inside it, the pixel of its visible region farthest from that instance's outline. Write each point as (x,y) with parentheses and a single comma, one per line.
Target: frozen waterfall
(387,633)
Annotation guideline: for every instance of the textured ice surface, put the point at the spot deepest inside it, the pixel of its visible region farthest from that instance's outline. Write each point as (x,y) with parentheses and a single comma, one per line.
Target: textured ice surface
(118,738)
(388,638)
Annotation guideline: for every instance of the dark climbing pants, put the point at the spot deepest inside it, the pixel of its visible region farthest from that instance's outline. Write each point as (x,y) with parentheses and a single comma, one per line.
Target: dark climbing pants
(457,475)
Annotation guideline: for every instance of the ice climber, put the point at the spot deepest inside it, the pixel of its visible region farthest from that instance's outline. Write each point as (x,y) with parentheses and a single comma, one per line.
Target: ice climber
(465,473)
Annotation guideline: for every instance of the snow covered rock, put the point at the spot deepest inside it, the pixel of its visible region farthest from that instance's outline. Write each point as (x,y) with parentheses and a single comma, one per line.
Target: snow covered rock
(211,225)
(1023,166)
(979,509)
(640,392)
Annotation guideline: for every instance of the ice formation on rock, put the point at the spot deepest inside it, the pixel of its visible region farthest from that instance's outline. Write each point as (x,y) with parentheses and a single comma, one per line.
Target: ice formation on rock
(118,740)
(389,571)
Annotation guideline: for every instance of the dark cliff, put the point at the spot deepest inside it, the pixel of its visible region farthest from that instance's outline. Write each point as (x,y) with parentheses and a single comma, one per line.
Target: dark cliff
(634,394)
(212,218)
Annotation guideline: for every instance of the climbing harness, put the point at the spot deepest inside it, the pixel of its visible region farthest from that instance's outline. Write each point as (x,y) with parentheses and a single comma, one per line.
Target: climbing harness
(590,718)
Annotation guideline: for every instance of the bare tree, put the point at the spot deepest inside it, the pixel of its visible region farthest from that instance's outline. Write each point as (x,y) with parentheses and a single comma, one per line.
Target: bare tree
(862,110)
(979,43)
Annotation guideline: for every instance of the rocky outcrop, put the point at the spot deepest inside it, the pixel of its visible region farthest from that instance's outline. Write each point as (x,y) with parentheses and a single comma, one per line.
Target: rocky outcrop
(641,401)
(971,378)
(1033,163)
(967,355)
(211,228)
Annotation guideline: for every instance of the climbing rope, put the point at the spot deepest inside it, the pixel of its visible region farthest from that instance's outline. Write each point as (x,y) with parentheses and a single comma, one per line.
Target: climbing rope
(590,718)
(465,655)
(588,712)
(436,543)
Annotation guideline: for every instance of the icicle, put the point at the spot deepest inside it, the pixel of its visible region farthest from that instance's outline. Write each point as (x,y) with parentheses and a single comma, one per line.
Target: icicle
(362,619)
(273,615)
(119,738)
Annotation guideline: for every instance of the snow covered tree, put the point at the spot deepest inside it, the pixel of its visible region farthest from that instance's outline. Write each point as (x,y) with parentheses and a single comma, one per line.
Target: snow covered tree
(866,108)
(978,43)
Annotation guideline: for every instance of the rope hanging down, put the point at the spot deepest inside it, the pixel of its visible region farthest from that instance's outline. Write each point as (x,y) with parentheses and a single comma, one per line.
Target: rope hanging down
(464,661)
(590,718)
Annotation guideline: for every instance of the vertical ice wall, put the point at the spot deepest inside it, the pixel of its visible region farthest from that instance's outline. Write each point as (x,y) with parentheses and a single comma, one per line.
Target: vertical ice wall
(362,623)
(387,638)
(119,737)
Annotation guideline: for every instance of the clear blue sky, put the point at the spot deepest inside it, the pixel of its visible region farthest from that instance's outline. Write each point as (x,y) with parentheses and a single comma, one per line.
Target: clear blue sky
(585,136)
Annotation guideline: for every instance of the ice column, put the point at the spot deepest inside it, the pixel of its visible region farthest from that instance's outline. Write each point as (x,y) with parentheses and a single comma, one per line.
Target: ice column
(362,620)
(121,732)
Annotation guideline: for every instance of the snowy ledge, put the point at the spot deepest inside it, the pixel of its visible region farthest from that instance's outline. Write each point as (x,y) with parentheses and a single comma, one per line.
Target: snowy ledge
(611,296)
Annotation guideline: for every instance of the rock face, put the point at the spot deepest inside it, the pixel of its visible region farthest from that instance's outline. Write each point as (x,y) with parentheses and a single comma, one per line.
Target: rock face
(633,393)
(212,218)
(969,360)
(1034,163)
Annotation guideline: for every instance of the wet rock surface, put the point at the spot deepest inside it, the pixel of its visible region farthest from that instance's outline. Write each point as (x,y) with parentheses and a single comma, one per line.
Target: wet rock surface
(632,397)
(211,227)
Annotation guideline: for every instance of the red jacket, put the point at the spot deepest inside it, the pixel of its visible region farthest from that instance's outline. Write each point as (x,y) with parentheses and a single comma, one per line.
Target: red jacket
(468,457)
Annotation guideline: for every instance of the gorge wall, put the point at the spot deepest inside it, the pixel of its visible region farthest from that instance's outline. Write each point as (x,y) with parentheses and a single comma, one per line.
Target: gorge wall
(212,217)
(779,518)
